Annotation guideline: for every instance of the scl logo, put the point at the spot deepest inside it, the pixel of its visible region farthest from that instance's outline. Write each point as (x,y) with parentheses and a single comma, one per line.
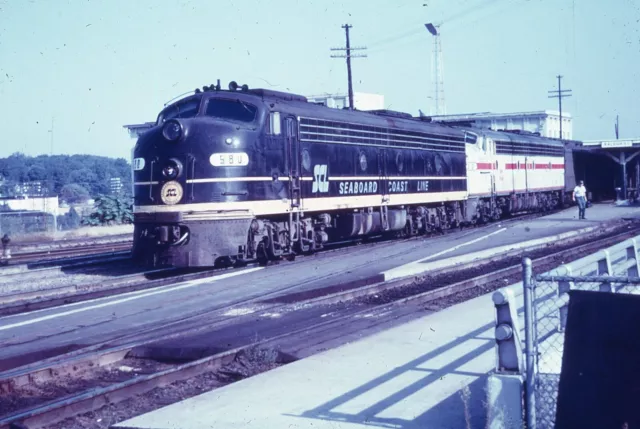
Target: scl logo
(320,181)
(171,192)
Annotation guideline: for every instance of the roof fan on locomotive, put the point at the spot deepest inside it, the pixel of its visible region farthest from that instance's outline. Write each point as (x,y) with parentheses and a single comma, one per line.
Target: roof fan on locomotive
(233,86)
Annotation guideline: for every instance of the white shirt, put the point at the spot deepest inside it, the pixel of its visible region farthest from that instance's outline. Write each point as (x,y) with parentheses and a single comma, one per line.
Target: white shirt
(580,191)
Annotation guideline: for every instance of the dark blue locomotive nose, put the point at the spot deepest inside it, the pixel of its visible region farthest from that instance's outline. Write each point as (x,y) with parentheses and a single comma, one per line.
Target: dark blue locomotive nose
(198,159)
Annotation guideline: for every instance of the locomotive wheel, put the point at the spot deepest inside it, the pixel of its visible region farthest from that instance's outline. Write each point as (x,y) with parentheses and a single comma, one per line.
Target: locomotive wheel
(306,250)
(287,246)
(261,254)
(224,262)
(239,263)
(407,231)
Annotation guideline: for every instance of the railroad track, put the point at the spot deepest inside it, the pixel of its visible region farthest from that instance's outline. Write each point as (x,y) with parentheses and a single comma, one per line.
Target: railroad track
(141,362)
(69,279)
(78,250)
(28,245)
(80,280)
(64,255)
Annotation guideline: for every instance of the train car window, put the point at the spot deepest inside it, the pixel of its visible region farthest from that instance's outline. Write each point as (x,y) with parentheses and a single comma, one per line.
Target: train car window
(234,110)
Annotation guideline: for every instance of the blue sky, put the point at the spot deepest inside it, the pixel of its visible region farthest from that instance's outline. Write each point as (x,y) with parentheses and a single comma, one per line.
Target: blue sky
(95,65)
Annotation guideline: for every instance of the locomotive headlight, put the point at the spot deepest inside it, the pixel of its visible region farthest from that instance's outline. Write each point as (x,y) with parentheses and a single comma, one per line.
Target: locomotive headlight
(172,130)
(172,169)
(232,141)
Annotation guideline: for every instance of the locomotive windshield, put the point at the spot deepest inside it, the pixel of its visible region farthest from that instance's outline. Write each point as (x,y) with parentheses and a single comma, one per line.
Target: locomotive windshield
(235,110)
(184,109)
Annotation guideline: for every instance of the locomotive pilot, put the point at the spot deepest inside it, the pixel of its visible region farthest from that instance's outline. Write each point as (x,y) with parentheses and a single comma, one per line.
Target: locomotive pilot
(580,195)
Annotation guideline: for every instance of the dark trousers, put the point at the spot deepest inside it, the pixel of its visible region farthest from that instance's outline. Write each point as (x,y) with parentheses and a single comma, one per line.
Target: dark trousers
(582,205)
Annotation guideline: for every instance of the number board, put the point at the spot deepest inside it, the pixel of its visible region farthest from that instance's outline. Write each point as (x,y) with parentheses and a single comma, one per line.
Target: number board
(138,164)
(229,159)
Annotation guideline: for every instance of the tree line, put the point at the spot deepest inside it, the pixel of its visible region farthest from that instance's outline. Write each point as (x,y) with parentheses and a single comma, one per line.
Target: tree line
(73,178)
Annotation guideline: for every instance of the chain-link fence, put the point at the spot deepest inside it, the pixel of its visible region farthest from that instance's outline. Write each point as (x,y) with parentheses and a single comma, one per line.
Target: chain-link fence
(26,222)
(614,270)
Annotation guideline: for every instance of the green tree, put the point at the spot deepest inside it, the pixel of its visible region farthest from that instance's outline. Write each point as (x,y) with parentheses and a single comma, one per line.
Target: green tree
(71,220)
(74,194)
(110,210)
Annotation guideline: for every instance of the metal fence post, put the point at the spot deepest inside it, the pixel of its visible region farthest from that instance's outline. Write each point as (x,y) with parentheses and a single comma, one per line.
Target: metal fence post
(563,289)
(604,269)
(530,393)
(632,253)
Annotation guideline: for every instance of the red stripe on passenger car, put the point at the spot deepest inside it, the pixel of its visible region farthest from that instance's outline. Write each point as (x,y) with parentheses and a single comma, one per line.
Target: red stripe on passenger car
(485,166)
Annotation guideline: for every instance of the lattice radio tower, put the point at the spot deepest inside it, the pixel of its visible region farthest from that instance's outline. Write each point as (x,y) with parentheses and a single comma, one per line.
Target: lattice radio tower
(437,69)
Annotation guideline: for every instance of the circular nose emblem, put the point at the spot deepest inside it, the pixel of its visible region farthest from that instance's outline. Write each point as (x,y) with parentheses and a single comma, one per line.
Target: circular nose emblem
(171,192)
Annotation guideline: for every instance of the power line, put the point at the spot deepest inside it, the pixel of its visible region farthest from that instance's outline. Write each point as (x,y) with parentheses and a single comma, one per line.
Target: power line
(560,94)
(348,56)
(454,17)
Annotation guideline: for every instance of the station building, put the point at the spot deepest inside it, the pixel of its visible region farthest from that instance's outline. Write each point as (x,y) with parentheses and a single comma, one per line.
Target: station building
(609,168)
(544,122)
(136,130)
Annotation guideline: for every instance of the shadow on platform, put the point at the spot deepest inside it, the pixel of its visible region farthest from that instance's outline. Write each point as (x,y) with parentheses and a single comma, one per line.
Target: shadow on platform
(418,400)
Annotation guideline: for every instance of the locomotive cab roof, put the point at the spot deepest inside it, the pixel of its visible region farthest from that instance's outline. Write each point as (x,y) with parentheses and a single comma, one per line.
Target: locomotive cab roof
(299,106)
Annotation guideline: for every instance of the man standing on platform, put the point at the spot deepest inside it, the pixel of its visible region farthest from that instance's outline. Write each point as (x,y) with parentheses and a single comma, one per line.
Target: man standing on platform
(580,194)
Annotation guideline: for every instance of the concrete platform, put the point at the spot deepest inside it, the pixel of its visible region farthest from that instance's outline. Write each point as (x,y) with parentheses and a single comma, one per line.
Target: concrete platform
(418,375)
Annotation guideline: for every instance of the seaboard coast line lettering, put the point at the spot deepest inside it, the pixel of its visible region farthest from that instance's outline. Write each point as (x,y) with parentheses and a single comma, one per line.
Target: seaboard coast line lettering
(351,188)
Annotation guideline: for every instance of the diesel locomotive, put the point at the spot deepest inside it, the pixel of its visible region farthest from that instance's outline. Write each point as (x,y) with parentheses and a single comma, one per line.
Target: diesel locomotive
(228,176)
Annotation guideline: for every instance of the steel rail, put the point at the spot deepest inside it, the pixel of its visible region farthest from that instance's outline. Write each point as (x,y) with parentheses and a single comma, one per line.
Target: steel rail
(70,242)
(56,255)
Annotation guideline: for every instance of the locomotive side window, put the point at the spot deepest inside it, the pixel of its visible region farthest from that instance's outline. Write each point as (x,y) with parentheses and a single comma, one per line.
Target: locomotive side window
(235,110)
(273,126)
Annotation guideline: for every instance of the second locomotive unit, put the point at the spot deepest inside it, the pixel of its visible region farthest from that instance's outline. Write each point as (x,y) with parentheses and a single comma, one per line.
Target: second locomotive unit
(227,176)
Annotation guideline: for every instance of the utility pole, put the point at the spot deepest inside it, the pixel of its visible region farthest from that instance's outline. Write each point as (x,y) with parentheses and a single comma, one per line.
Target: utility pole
(617,129)
(560,94)
(348,56)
